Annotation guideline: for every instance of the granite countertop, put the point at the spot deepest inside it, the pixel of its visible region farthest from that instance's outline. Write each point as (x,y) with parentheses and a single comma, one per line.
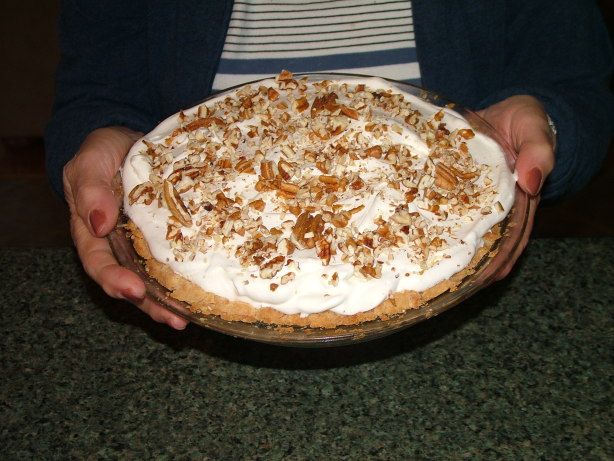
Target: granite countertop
(523,370)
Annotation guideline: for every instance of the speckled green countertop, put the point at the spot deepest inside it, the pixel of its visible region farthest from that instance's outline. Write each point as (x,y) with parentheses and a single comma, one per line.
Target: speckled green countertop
(521,371)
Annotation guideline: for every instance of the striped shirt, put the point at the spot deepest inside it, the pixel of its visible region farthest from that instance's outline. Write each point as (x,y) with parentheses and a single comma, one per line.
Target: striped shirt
(373,37)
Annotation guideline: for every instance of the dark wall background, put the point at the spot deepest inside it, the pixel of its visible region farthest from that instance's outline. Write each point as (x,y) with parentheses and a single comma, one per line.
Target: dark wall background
(29,54)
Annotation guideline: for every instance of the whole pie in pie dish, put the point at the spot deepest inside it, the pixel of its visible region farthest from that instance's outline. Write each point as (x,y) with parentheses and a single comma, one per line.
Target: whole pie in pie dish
(314,202)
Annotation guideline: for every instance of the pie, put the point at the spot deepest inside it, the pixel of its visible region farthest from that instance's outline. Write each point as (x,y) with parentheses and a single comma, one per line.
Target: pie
(304,202)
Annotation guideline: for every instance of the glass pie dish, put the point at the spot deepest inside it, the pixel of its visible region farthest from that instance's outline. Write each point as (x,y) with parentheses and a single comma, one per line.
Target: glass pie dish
(513,228)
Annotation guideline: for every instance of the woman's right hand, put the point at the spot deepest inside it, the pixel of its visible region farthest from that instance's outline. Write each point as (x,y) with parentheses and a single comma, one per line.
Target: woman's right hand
(94,210)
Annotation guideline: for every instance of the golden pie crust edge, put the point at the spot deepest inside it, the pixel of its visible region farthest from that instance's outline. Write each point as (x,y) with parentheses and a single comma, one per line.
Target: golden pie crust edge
(203,302)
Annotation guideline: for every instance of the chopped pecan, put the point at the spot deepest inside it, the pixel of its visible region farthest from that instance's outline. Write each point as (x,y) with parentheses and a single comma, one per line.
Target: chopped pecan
(444,177)
(284,76)
(466,133)
(289,188)
(175,204)
(269,269)
(266,170)
(204,122)
(142,193)
(272,94)
(285,170)
(301,104)
(349,112)
(323,251)
(375,152)
(328,179)
(245,166)
(257,204)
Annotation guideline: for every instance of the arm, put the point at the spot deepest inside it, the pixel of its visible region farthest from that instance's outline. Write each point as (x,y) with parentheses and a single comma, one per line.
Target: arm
(560,54)
(557,63)
(101,79)
(102,102)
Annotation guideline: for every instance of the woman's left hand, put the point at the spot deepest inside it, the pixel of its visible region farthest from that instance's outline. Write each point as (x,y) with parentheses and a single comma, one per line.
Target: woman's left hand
(522,121)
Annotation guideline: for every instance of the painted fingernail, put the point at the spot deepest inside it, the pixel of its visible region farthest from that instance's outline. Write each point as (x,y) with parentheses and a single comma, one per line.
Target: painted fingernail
(97,220)
(534,181)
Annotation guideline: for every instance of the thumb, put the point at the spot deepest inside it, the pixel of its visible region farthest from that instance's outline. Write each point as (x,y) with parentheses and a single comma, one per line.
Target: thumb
(91,175)
(96,205)
(534,144)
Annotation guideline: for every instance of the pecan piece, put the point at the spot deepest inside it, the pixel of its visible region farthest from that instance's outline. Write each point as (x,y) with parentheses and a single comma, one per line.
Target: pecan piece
(368,271)
(244,166)
(340,219)
(289,188)
(257,204)
(465,133)
(204,122)
(272,94)
(186,171)
(375,152)
(272,267)
(323,251)
(357,184)
(444,177)
(328,179)
(285,170)
(301,104)
(175,204)
(349,112)
(301,226)
(284,76)
(266,170)
(288,278)
(142,193)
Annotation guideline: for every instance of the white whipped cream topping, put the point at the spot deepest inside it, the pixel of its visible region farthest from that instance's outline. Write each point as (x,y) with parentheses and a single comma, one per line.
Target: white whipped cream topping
(221,273)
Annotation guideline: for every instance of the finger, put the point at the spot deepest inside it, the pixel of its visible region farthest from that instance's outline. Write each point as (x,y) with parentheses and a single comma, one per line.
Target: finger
(117,281)
(97,206)
(89,177)
(534,163)
(100,264)
(162,315)
(534,144)
(92,190)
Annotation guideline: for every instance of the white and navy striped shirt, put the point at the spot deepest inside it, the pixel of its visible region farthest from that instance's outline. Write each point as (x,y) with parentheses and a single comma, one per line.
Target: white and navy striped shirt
(373,37)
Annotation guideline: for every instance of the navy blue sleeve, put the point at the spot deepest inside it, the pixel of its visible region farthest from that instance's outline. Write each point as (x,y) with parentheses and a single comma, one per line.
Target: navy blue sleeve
(101,79)
(560,53)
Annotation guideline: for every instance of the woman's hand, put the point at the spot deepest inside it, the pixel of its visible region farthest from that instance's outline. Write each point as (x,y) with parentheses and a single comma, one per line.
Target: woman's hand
(93,213)
(524,124)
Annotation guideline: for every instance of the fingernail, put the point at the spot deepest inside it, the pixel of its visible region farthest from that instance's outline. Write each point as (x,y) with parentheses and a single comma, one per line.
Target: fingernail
(534,181)
(97,220)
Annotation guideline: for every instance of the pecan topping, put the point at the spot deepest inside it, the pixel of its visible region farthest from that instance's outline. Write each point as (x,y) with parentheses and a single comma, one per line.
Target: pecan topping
(311,171)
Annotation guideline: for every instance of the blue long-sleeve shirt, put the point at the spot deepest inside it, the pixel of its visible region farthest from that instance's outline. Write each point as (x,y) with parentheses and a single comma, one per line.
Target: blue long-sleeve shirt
(135,63)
